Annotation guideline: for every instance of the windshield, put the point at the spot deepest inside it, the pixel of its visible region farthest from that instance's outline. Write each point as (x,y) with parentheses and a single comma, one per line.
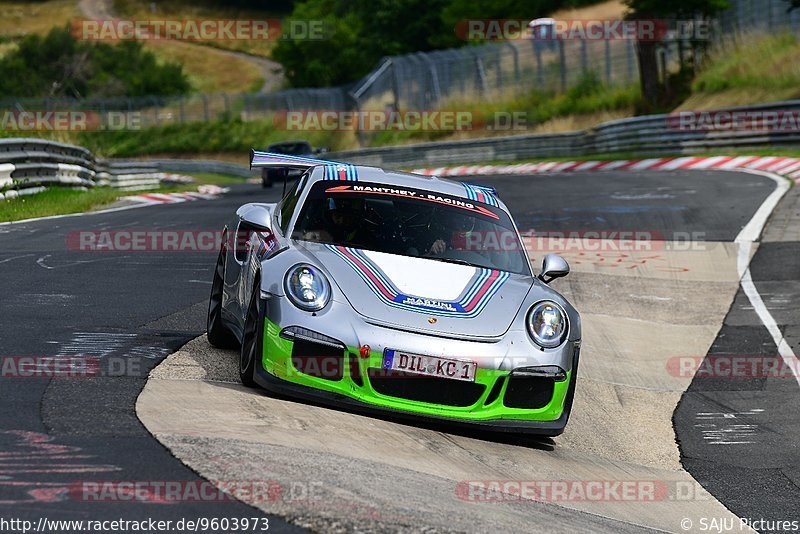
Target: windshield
(411,222)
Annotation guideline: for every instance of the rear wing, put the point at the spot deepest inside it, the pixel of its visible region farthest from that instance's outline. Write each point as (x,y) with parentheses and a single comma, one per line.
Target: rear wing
(333,170)
(259,159)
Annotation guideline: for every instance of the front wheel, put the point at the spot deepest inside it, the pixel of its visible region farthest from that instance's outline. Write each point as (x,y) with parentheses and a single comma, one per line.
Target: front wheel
(218,333)
(250,354)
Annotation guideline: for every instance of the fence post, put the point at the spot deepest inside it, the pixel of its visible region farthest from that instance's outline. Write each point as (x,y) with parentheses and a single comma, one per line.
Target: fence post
(437,92)
(562,62)
(608,60)
(205,107)
(584,56)
(537,49)
(395,86)
(462,71)
(499,68)
(481,74)
(629,57)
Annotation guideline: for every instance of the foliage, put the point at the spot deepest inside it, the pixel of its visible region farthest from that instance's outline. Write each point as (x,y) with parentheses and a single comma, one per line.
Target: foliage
(232,136)
(358,33)
(765,63)
(58,64)
(655,93)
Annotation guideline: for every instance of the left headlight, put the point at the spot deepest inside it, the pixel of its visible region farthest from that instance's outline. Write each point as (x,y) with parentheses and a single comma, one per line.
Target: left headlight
(547,324)
(307,287)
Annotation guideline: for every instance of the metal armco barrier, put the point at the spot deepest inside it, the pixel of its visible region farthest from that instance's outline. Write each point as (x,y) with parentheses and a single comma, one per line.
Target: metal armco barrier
(29,166)
(241,170)
(641,136)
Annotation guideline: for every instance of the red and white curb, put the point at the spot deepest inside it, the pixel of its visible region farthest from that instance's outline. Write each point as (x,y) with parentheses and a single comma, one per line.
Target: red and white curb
(204,192)
(785,166)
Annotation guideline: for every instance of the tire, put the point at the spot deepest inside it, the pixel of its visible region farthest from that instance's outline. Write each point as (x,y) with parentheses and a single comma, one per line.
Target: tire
(218,333)
(252,340)
(267,178)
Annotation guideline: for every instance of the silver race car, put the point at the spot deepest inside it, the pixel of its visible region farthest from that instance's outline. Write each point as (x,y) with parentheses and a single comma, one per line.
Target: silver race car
(395,293)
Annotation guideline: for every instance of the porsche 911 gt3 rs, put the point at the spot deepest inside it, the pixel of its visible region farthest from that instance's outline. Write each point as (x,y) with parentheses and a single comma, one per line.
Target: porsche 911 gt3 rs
(395,293)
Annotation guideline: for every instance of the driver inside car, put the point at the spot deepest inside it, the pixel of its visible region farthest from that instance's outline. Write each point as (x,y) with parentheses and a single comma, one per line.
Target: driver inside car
(460,229)
(342,223)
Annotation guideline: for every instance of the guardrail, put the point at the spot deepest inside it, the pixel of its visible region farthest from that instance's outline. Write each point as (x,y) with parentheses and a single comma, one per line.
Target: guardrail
(642,136)
(131,175)
(204,165)
(29,166)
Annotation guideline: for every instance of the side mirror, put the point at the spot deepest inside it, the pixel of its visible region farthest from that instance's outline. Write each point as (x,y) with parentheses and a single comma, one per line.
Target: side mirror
(553,266)
(256,215)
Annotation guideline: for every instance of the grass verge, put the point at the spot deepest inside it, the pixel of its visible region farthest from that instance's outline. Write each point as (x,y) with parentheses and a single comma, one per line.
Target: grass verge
(210,70)
(18,18)
(585,104)
(188,9)
(749,70)
(57,201)
(215,136)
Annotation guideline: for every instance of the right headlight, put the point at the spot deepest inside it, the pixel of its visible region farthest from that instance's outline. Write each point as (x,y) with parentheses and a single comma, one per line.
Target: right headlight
(307,287)
(547,324)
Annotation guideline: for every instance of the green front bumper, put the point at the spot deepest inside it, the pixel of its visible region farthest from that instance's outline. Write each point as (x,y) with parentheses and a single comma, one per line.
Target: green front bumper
(277,362)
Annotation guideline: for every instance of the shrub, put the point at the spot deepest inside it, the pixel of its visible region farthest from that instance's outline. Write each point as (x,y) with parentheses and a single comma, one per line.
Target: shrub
(59,65)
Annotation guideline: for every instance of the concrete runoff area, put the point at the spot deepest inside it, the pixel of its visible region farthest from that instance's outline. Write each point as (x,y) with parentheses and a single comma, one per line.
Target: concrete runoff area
(375,474)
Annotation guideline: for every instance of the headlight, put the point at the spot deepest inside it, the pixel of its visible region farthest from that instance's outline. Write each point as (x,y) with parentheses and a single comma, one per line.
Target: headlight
(307,287)
(547,324)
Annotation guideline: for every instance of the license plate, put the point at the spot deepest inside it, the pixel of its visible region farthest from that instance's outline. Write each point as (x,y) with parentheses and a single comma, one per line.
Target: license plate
(429,365)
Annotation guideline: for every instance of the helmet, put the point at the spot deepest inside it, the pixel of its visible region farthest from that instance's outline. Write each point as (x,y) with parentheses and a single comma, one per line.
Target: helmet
(344,211)
(351,205)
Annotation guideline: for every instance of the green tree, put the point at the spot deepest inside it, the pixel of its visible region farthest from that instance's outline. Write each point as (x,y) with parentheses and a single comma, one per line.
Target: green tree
(357,34)
(360,32)
(646,50)
(59,65)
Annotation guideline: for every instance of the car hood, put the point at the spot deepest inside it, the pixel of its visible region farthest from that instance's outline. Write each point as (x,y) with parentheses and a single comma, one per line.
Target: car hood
(421,294)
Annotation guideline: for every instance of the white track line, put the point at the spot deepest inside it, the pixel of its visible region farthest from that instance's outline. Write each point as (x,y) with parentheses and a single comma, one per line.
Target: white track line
(749,234)
(79,214)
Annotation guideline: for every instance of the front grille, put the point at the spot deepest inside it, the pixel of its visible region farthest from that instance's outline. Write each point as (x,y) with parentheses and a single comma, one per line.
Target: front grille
(528,392)
(495,392)
(318,360)
(432,389)
(355,370)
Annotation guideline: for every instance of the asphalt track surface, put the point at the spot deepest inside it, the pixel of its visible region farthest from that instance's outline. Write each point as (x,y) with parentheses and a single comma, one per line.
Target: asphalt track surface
(139,307)
(738,435)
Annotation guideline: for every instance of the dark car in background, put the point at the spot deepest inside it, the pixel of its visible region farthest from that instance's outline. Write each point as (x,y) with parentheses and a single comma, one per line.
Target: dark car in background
(289,148)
